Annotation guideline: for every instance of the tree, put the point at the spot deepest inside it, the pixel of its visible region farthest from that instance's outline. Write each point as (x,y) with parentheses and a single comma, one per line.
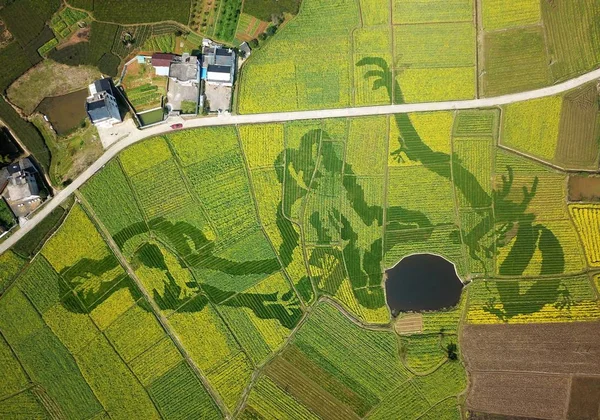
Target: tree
(451,350)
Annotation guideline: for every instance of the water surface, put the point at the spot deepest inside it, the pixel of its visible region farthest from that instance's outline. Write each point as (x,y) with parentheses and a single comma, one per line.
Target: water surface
(422,282)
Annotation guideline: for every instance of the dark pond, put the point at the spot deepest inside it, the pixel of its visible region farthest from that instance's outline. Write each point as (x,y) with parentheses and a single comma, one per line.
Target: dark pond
(8,146)
(422,282)
(65,112)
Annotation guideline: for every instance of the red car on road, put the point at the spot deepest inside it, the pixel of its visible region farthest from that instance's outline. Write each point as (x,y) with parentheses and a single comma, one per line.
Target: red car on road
(176,126)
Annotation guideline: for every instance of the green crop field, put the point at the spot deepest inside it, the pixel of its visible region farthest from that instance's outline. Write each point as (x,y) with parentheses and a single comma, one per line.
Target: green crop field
(247,271)
(262,247)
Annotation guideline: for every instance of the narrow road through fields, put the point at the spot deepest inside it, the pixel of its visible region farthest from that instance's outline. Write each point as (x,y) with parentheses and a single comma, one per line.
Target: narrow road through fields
(135,135)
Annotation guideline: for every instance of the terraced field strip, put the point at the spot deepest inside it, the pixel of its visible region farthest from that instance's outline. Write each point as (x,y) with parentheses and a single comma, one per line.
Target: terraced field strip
(155,309)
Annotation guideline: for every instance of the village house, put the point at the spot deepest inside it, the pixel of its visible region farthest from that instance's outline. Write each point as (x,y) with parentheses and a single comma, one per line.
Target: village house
(218,65)
(183,88)
(218,74)
(162,63)
(19,187)
(101,106)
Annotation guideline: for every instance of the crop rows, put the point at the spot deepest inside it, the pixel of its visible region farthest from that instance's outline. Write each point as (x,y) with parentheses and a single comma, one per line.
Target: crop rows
(532,126)
(572,32)
(368,133)
(334,342)
(300,77)
(415,11)
(178,393)
(502,14)
(439,208)
(587,221)
(160,43)
(515,60)
(423,352)
(270,401)
(476,157)
(478,123)
(120,211)
(262,144)
(577,146)
(524,301)
(413,404)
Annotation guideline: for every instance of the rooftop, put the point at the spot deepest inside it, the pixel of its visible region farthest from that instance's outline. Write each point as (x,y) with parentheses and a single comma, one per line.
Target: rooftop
(162,59)
(184,68)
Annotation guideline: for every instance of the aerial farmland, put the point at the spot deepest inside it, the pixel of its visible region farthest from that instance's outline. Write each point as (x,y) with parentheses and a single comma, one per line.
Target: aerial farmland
(394,214)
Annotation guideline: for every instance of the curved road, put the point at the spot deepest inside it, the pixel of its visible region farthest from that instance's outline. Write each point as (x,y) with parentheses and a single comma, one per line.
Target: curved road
(136,135)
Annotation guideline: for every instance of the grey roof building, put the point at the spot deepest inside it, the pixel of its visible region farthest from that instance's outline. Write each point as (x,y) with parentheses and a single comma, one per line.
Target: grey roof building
(184,69)
(22,191)
(101,106)
(218,65)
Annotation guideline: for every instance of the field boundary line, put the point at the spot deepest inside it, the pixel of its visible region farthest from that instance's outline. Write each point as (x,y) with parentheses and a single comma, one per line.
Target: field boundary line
(162,320)
(136,135)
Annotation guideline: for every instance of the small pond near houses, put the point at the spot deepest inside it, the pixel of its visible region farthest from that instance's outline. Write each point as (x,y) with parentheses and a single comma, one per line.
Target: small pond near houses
(65,112)
(422,282)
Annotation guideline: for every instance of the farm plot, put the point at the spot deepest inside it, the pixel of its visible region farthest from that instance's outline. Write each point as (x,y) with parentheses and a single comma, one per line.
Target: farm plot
(375,12)
(368,43)
(502,360)
(434,61)
(212,347)
(110,195)
(324,383)
(544,300)
(43,357)
(262,328)
(573,34)
(409,203)
(144,89)
(577,145)
(476,156)
(10,265)
(533,126)
(587,222)
(289,74)
(262,144)
(227,19)
(502,393)
(65,22)
(129,11)
(515,60)
(368,133)
(502,14)
(416,11)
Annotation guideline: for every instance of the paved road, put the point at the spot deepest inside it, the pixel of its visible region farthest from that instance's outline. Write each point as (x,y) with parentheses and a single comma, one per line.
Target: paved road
(136,135)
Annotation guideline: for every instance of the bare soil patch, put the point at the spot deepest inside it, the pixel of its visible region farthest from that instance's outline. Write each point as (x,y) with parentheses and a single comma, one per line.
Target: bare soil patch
(409,324)
(519,394)
(5,35)
(473,415)
(81,35)
(525,370)
(585,398)
(584,188)
(552,348)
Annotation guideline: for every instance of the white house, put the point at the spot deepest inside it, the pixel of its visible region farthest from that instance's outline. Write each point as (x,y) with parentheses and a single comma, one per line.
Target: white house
(101,106)
(161,63)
